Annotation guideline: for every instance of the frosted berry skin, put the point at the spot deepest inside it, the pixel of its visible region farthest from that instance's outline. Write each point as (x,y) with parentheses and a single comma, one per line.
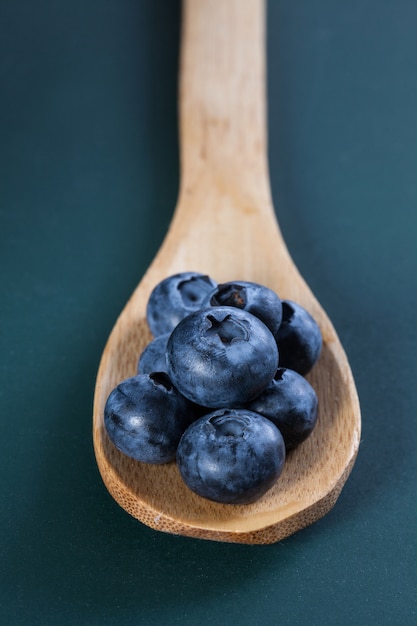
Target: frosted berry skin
(221,357)
(231,456)
(252,297)
(145,417)
(174,298)
(290,402)
(152,358)
(299,338)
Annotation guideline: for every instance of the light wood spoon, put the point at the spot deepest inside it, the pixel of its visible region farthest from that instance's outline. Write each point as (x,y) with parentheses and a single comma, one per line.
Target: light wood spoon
(224,225)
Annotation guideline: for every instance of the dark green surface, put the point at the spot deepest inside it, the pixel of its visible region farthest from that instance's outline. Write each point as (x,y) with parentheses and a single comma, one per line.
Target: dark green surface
(89,175)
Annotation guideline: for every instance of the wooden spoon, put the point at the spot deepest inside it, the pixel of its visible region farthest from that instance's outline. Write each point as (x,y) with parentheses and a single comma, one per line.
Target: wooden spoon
(224,225)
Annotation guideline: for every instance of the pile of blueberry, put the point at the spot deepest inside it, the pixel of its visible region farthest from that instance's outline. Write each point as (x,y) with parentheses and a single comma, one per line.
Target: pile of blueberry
(220,388)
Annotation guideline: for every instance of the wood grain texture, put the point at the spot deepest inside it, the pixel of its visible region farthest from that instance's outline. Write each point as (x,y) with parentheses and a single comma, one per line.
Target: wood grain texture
(224,225)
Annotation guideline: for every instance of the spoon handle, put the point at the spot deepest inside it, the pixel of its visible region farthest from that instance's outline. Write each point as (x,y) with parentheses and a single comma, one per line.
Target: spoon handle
(222,95)
(224,201)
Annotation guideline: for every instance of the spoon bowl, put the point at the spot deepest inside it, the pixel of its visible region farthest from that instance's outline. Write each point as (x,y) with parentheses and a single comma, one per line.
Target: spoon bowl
(224,225)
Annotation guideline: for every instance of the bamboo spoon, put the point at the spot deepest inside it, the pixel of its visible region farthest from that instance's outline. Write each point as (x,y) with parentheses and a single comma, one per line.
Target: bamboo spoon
(224,225)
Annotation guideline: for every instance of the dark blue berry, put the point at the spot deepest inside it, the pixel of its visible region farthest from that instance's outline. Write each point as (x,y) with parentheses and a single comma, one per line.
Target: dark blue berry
(221,357)
(152,358)
(252,297)
(174,298)
(299,338)
(290,402)
(145,417)
(231,456)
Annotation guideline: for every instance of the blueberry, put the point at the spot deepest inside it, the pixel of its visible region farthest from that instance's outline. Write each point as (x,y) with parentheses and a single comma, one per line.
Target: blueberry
(145,417)
(290,402)
(152,358)
(221,357)
(174,298)
(299,338)
(252,297)
(232,456)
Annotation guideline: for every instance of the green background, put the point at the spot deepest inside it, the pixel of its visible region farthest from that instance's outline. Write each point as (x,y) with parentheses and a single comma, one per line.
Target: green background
(88,182)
